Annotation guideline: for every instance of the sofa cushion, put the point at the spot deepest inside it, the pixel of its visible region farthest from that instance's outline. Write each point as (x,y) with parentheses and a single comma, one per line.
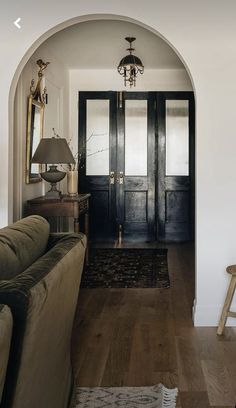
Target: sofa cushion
(21,244)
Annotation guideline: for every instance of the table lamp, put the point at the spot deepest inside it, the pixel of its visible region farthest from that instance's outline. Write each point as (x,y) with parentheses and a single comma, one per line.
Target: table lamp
(53,151)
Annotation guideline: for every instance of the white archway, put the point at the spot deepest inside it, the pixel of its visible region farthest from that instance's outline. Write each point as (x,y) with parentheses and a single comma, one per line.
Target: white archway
(81,19)
(40,41)
(62,26)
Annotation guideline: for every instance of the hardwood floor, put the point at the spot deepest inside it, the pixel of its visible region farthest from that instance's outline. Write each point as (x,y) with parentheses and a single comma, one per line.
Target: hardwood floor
(140,337)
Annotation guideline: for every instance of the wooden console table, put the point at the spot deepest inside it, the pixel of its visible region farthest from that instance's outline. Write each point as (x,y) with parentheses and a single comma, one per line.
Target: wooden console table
(66,206)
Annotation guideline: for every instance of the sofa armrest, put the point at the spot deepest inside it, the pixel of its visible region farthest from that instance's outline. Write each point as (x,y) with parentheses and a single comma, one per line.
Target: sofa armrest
(56,237)
(66,255)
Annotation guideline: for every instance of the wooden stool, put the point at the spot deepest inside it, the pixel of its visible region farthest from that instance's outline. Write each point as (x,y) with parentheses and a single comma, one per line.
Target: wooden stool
(228,300)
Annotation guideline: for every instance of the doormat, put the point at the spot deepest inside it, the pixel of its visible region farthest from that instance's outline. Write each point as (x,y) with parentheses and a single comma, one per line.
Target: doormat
(156,396)
(126,268)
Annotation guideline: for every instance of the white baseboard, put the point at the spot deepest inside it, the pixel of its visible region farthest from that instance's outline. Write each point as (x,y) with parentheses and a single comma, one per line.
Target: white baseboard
(209,316)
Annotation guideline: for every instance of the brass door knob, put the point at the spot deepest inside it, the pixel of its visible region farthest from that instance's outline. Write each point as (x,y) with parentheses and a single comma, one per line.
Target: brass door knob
(112,177)
(120,179)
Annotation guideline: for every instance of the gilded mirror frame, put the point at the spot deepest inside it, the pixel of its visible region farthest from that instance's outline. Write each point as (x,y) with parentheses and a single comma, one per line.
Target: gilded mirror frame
(35,124)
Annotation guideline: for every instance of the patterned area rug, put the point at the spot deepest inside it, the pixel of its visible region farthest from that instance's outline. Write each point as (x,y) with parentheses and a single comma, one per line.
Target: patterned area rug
(126,397)
(126,268)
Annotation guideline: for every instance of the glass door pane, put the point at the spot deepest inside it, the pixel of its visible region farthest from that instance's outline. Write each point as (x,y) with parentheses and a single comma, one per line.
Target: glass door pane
(136,138)
(177,137)
(97,137)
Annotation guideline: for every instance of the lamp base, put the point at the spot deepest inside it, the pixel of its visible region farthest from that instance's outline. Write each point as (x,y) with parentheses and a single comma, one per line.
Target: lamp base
(53,194)
(53,176)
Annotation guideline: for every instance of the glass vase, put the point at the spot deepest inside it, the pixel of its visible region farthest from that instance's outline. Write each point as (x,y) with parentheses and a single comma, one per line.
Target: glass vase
(72,182)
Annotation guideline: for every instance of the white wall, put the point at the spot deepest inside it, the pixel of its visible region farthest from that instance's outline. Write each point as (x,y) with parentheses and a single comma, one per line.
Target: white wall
(110,80)
(56,80)
(204,34)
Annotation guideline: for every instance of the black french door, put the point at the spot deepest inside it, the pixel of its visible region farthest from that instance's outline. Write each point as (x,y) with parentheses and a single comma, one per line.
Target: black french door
(98,145)
(117,134)
(135,165)
(175,179)
(128,164)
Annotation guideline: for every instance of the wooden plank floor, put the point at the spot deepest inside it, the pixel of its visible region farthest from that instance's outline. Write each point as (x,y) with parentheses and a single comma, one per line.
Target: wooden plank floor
(138,337)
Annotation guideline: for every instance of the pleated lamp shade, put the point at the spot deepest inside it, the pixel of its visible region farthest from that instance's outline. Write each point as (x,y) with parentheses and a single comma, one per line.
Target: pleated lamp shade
(53,150)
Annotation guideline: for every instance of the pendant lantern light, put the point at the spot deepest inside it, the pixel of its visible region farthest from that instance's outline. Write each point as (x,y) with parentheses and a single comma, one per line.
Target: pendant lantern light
(130,65)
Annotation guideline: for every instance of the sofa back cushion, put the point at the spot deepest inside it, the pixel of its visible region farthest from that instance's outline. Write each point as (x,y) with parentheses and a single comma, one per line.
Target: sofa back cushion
(21,244)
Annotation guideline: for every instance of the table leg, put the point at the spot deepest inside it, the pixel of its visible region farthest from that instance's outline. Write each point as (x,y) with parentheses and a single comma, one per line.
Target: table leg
(76,225)
(86,230)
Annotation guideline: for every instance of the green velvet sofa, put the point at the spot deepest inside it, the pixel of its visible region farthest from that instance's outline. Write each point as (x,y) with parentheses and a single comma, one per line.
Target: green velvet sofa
(39,281)
(6,323)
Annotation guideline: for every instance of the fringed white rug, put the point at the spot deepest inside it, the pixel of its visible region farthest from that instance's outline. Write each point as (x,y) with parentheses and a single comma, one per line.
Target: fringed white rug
(156,396)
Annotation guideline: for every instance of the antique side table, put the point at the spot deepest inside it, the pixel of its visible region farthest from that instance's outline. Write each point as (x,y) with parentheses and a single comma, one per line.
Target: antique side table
(66,206)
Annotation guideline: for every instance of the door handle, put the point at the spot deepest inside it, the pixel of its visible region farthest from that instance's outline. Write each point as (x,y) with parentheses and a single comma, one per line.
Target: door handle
(120,178)
(112,177)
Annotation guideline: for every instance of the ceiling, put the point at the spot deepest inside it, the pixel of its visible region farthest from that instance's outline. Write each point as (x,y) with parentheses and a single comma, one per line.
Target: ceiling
(100,44)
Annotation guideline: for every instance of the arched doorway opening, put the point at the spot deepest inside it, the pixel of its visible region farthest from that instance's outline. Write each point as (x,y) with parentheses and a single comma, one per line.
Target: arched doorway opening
(77,66)
(75,49)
